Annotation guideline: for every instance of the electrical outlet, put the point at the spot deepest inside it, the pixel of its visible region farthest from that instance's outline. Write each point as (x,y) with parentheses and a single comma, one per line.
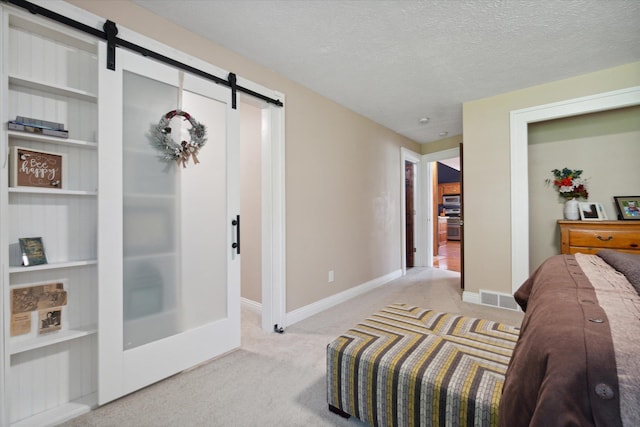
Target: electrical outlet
(331,277)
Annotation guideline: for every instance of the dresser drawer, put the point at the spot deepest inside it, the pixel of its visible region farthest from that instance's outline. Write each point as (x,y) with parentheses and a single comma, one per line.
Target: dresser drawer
(605,238)
(592,236)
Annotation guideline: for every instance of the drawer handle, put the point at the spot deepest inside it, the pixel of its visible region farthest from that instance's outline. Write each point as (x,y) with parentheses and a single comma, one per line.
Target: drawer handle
(634,245)
(604,239)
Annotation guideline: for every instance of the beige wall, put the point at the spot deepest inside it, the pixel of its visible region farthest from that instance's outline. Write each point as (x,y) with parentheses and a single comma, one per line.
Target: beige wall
(343,172)
(487,169)
(441,145)
(250,203)
(605,145)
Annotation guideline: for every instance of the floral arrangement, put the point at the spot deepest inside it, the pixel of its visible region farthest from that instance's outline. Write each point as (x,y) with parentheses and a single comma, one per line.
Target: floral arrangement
(569,184)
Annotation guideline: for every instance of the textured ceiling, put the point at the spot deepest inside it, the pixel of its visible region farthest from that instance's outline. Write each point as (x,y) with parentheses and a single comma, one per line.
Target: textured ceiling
(398,61)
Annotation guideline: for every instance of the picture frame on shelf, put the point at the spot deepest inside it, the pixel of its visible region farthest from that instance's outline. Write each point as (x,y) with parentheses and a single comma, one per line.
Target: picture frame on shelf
(628,207)
(49,320)
(44,299)
(32,251)
(36,168)
(590,211)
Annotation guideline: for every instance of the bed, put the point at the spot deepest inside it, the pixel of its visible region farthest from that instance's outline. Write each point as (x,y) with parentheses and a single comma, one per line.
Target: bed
(575,360)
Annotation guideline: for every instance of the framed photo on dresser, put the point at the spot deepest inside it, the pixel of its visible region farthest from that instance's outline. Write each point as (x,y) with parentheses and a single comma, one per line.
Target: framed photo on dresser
(628,207)
(592,211)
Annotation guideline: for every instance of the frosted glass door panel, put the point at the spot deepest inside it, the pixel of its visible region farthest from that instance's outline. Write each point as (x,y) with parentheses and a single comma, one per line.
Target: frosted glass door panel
(151,263)
(145,100)
(174,217)
(203,221)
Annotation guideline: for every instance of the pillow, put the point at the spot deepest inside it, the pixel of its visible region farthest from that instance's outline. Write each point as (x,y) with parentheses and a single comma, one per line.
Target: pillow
(627,264)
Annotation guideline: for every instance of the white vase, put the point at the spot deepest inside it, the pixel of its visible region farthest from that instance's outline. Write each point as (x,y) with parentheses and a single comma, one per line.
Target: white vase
(571,209)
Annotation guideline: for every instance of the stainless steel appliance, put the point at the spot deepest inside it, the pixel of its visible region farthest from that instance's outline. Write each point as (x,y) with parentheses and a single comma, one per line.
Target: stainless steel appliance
(453,228)
(451,211)
(451,199)
(451,207)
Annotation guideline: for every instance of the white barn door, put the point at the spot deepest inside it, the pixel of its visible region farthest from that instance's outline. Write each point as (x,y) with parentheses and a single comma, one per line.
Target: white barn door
(169,279)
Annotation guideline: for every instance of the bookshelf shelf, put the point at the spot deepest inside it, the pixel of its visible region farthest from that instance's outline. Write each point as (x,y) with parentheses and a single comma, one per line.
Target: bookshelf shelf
(52,88)
(25,136)
(52,266)
(52,32)
(61,413)
(53,192)
(52,338)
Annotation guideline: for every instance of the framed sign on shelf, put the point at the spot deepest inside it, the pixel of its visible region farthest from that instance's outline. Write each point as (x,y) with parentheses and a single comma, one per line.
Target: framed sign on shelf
(32,251)
(35,168)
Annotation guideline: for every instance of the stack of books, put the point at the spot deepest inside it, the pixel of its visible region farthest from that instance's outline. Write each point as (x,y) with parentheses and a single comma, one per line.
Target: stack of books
(42,127)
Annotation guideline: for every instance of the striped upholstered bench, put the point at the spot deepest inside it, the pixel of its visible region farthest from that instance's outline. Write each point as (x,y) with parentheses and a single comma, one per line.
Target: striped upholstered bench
(409,366)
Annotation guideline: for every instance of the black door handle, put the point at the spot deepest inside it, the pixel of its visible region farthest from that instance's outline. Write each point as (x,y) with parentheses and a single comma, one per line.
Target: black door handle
(236,245)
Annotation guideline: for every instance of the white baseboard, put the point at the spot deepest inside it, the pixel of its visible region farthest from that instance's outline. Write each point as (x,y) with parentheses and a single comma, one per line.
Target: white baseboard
(326,303)
(472,297)
(254,306)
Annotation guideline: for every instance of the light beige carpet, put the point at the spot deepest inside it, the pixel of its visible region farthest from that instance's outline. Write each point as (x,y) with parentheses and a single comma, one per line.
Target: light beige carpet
(279,380)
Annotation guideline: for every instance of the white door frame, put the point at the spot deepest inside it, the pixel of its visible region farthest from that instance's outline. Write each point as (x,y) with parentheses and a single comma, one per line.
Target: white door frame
(273,223)
(519,120)
(407,155)
(427,168)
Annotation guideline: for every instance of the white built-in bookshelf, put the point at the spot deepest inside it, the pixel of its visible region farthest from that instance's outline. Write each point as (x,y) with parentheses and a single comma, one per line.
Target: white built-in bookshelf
(50,73)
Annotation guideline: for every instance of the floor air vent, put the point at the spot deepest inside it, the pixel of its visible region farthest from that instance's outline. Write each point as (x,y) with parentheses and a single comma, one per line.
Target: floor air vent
(497,299)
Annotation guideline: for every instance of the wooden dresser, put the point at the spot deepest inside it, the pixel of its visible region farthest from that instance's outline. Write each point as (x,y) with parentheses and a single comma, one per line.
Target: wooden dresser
(591,236)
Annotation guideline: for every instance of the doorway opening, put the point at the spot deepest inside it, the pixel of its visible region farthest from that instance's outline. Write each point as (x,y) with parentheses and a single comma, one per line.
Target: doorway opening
(420,225)
(410,212)
(262,206)
(447,229)
(250,204)
(432,207)
(413,232)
